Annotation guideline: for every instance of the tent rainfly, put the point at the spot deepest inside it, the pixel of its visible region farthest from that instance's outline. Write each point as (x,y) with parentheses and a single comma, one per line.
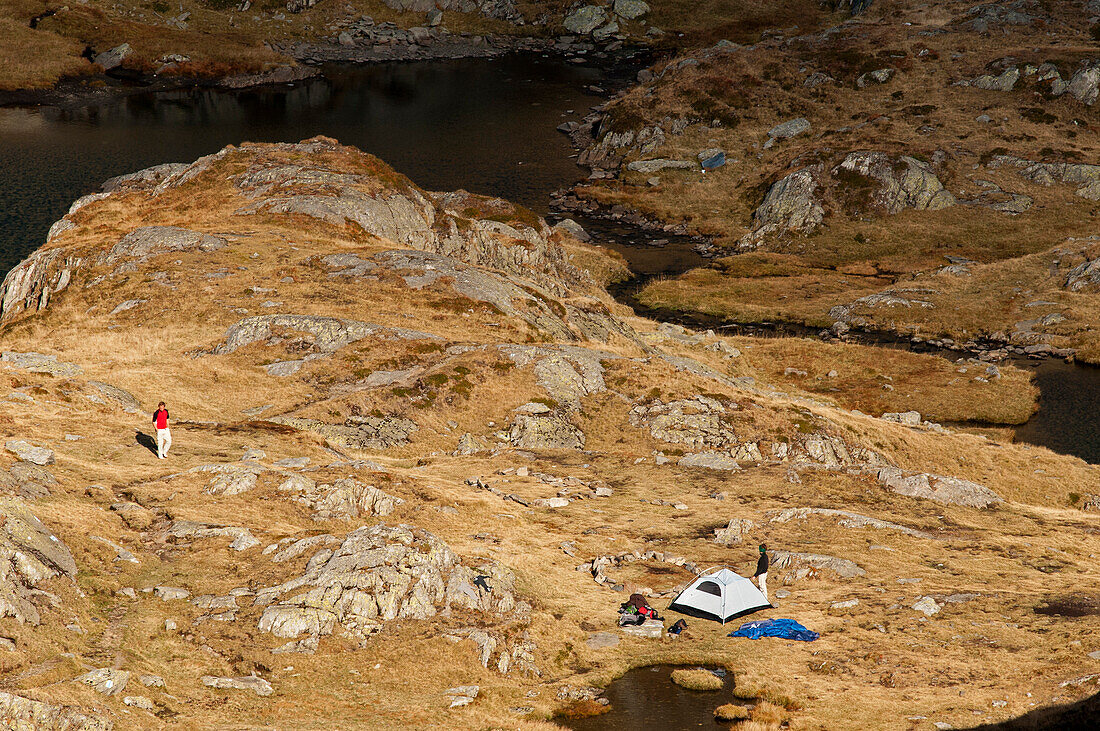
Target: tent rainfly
(720,595)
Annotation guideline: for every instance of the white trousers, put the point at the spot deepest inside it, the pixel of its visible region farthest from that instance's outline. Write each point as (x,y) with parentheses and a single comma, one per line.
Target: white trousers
(762,579)
(164,442)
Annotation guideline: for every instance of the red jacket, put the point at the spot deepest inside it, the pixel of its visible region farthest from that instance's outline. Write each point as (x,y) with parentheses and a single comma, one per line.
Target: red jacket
(160,418)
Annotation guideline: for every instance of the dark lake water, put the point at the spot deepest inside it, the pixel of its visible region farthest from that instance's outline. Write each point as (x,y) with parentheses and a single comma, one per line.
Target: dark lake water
(486,125)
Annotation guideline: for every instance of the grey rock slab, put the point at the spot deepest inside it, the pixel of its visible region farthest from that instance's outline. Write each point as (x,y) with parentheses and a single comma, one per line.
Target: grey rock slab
(841,566)
(927,606)
(710,461)
(29,453)
(950,490)
(149,241)
(126,400)
(257,685)
(127,305)
(39,363)
(790,128)
(113,58)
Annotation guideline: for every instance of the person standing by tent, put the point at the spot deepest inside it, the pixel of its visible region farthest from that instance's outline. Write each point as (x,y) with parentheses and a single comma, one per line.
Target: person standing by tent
(164,434)
(761,574)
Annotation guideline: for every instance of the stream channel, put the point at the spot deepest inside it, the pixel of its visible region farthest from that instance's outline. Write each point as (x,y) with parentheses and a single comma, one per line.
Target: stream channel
(486,125)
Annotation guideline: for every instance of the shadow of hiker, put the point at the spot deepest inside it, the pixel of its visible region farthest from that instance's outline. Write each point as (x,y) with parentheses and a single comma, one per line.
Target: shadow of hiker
(145,440)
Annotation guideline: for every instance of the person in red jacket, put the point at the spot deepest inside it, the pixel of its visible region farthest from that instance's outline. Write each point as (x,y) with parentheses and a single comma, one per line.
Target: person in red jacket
(164,434)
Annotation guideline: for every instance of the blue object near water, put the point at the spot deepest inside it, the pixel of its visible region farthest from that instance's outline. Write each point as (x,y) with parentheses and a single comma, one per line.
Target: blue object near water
(716,161)
(787,629)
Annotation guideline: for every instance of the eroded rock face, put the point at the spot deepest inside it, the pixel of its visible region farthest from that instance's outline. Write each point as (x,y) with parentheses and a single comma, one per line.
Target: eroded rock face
(358,432)
(23,714)
(381,573)
(696,423)
(1085,177)
(29,554)
(904,182)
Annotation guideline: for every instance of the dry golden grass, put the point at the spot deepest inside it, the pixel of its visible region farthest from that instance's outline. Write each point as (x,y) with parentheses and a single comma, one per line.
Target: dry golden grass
(731,712)
(36,58)
(1013,557)
(696,679)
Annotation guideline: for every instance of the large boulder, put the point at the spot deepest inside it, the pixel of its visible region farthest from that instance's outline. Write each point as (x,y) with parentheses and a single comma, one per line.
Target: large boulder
(551,430)
(791,205)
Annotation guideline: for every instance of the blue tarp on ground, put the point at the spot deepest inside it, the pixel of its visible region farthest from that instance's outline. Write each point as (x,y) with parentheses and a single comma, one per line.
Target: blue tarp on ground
(788,629)
(715,161)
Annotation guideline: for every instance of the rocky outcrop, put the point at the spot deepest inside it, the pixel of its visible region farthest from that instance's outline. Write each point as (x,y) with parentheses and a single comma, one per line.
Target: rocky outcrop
(39,363)
(791,205)
(344,499)
(903,182)
(241,539)
(1085,177)
(381,573)
(538,427)
(29,554)
(23,714)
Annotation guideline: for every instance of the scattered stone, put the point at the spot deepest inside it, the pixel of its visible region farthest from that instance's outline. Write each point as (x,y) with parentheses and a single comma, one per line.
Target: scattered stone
(652,629)
(845,518)
(257,685)
(107,681)
(151,681)
(848,604)
(171,593)
(114,57)
(140,701)
(927,605)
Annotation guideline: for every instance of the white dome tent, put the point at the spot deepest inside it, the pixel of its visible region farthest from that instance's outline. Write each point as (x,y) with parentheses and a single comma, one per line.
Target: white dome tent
(719,594)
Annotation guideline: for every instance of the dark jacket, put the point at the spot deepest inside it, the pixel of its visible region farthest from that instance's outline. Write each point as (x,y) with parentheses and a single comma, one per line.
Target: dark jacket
(762,564)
